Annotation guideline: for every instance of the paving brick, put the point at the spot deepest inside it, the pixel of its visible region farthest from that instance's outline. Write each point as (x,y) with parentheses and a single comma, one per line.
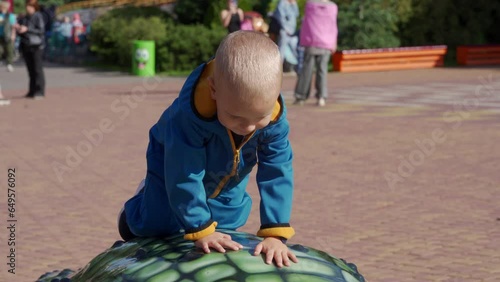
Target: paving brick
(439,223)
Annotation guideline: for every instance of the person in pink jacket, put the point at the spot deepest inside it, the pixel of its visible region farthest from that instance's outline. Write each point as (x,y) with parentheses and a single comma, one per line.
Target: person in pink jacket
(319,37)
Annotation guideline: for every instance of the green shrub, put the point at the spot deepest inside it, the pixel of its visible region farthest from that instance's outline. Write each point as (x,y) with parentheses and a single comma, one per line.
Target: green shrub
(112,39)
(368,24)
(112,34)
(186,46)
(178,47)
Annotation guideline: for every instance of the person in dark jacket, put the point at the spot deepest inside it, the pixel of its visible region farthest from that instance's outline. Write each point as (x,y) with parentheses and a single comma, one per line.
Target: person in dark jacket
(31,30)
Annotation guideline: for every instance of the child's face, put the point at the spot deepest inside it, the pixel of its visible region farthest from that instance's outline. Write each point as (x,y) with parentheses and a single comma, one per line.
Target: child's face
(239,116)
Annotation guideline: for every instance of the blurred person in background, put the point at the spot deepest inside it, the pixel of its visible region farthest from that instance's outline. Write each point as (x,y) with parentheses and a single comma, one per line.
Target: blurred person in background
(78,28)
(284,19)
(17,44)
(31,30)
(48,15)
(232,17)
(318,36)
(66,31)
(7,34)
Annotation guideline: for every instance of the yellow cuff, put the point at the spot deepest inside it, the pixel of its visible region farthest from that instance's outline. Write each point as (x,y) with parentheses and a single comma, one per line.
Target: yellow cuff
(285,232)
(202,233)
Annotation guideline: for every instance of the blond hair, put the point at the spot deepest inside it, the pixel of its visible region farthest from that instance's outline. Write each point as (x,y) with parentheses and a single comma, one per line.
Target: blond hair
(5,4)
(249,64)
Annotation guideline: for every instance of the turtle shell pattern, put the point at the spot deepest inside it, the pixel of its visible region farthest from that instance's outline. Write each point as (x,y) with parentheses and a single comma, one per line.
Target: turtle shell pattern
(175,259)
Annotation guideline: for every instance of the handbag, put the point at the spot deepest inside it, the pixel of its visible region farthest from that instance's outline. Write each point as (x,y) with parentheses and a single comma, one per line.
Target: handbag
(34,39)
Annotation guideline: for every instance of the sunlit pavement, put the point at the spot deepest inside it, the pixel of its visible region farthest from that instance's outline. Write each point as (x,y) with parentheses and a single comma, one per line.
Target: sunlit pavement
(398,173)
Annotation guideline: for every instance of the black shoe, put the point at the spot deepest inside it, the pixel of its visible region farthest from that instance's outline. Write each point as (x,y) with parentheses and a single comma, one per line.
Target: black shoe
(29,95)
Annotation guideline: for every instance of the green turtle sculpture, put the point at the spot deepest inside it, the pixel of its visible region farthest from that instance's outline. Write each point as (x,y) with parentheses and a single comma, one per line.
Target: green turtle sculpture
(175,259)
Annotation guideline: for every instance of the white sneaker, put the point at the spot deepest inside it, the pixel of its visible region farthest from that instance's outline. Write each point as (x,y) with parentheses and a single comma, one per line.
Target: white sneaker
(321,102)
(4,102)
(10,68)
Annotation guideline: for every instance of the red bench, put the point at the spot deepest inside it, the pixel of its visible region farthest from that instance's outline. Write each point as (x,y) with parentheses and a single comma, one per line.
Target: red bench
(473,55)
(389,58)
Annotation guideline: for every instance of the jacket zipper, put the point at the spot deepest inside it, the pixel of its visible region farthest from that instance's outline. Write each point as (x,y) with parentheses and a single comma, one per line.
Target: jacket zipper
(236,163)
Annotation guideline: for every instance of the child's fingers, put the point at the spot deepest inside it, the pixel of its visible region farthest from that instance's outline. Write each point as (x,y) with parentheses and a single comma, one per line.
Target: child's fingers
(269,256)
(258,249)
(231,245)
(206,248)
(218,247)
(238,245)
(292,256)
(286,260)
(278,259)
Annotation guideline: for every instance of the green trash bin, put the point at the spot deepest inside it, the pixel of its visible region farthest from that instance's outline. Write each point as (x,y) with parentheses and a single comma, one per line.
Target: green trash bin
(143,58)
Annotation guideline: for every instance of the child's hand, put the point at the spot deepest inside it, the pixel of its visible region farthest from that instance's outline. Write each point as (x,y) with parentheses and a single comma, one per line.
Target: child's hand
(274,248)
(217,241)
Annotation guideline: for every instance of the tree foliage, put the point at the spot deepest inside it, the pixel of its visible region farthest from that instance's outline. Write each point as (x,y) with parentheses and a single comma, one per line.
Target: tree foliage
(186,46)
(19,5)
(191,12)
(368,24)
(452,22)
(196,32)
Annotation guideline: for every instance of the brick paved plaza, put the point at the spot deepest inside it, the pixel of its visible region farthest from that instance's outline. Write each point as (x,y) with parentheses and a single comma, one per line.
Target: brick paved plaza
(398,174)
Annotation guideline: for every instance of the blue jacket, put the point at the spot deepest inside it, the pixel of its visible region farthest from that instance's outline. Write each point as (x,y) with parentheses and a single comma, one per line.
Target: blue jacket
(286,14)
(196,177)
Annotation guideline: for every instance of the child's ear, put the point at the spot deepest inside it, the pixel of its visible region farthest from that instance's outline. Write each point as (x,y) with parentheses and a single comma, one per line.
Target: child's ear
(211,84)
